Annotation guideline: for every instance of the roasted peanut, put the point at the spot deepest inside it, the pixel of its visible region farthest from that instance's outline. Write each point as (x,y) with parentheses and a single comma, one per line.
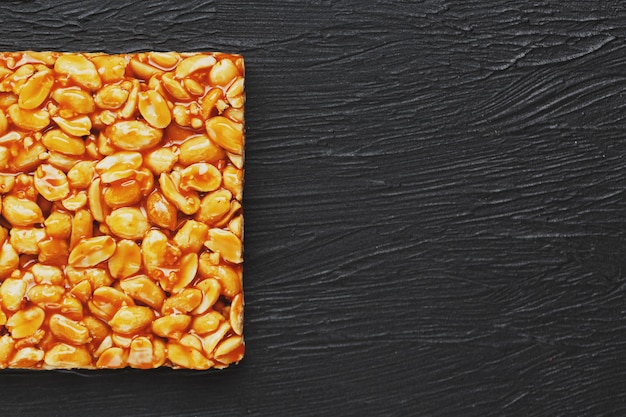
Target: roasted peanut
(141,353)
(187,273)
(106,301)
(187,357)
(191,236)
(75,201)
(214,206)
(7,347)
(233,181)
(4,157)
(143,70)
(128,223)
(29,119)
(12,292)
(164,59)
(25,322)
(27,156)
(227,276)
(226,133)
(59,141)
(153,249)
(53,251)
(142,288)
(126,260)
(82,227)
(160,211)
(223,72)
(174,88)
(226,243)
(61,161)
(194,63)
(98,331)
(110,68)
(67,356)
(92,251)
(207,323)
(211,289)
(168,326)
(21,212)
(68,330)
(47,274)
(201,177)
(26,357)
(211,340)
(81,175)
(111,97)
(35,91)
(129,320)
(58,225)
(51,183)
(74,99)
(234,94)
(82,291)
(112,358)
(209,100)
(236,314)
(122,194)
(229,350)
(77,126)
(183,302)
(96,205)
(153,109)
(134,135)
(161,160)
(79,69)
(188,204)
(26,239)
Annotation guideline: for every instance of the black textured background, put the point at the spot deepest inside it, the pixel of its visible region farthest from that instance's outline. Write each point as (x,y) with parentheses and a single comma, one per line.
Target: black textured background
(435,207)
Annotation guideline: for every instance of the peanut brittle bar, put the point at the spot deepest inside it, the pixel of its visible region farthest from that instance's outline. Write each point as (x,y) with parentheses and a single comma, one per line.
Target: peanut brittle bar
(121,180)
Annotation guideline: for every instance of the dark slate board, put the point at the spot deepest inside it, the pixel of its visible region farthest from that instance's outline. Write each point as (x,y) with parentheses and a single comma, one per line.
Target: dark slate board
(435,207)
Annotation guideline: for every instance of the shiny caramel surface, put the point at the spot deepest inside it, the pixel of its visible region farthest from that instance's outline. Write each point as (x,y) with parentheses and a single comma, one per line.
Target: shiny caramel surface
(121,226)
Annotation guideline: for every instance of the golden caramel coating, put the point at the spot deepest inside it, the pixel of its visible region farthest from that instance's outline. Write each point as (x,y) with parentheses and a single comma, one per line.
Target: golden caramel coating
(121,228)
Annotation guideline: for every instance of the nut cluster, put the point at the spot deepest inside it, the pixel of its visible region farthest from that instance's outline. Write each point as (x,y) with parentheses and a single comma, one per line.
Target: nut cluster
(121,182)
